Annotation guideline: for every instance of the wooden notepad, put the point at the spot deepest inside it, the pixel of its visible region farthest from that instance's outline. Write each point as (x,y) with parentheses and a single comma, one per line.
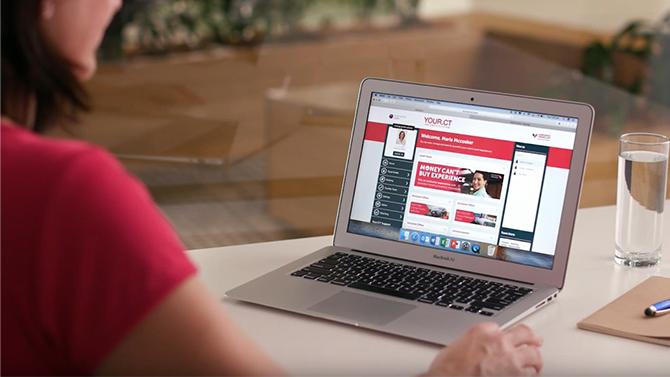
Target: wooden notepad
(624,316)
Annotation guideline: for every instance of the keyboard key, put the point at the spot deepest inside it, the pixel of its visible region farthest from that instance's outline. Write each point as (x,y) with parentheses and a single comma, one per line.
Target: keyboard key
(406,291)
(317,271)
(484,312)
(322,265)
(488,305)
(455,307)
(497,301)
(384,291)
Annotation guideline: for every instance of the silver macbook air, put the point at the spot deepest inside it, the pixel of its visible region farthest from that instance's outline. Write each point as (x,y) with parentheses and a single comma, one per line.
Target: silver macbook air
(457,207)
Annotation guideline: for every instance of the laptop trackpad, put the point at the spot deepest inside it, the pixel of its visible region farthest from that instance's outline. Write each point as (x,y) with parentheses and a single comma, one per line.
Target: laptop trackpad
(362,308)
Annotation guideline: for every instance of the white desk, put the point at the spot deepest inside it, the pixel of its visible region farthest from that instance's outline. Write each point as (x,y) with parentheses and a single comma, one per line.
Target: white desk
(305,345)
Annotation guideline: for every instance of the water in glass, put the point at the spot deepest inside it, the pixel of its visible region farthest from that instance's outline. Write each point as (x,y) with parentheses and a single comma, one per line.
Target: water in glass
(639,211)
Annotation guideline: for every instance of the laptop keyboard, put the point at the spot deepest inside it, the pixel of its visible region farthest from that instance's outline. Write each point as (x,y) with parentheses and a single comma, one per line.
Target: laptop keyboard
(433,287)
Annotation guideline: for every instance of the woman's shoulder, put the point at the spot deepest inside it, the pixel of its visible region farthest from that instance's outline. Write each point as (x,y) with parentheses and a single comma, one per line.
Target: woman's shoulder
(39,169)
(26,152)
(481,192)
(21,141)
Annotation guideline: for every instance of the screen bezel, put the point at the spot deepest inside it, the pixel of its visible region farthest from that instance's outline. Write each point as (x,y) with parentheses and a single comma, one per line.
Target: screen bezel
(482,265)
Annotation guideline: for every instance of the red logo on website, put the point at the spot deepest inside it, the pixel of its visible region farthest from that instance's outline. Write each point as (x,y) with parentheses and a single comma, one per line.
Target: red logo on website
(431,121)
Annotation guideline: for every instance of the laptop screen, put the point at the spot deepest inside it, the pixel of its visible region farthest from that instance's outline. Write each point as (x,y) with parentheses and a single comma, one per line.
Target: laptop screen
(463,178)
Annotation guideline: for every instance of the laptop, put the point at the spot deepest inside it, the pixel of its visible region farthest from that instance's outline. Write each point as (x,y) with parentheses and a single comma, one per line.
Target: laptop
(457,207)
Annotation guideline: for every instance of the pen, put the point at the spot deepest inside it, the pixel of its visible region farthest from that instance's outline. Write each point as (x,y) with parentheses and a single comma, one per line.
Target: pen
(658,308)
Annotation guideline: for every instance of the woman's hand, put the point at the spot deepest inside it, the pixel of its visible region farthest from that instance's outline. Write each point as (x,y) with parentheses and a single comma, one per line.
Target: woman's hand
(486,350)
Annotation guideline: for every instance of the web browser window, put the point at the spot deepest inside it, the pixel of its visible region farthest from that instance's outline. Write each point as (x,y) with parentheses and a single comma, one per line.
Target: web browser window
(463,178)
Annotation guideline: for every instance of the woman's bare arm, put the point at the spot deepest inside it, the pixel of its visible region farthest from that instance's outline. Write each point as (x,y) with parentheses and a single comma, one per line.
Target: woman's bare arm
(188,334)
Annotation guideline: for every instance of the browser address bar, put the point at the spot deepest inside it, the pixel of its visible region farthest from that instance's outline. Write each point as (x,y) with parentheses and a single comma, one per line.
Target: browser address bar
(471,112)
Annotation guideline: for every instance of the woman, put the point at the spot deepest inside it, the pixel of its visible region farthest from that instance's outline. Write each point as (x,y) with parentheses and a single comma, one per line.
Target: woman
(94,280)
(401,139)
(479,182)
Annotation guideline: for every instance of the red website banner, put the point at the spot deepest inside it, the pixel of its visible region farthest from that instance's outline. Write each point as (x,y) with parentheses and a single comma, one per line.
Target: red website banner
(458,179)
(439,177)
(428,210)
(475,218)
(375,132)
(559,158)
(472,145)
(465,216)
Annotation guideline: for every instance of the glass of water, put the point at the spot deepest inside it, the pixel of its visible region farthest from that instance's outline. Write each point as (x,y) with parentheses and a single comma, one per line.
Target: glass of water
(641,185)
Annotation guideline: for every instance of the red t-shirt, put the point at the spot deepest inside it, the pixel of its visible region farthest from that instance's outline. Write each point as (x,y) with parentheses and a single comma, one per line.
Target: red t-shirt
(85,255)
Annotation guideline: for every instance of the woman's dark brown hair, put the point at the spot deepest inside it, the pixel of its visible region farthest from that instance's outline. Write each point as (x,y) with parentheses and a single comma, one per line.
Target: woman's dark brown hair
(485,175)
(37,83)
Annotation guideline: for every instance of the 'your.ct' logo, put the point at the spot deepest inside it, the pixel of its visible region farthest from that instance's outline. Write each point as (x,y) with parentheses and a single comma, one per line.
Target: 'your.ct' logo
(542,136)
(432,121)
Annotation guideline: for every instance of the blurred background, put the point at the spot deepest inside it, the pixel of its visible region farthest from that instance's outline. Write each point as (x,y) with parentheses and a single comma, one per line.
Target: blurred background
(236,114)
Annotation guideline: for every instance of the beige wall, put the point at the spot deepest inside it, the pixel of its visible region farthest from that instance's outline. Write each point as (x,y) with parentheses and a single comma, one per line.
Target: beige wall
(597,15)
(441,8)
